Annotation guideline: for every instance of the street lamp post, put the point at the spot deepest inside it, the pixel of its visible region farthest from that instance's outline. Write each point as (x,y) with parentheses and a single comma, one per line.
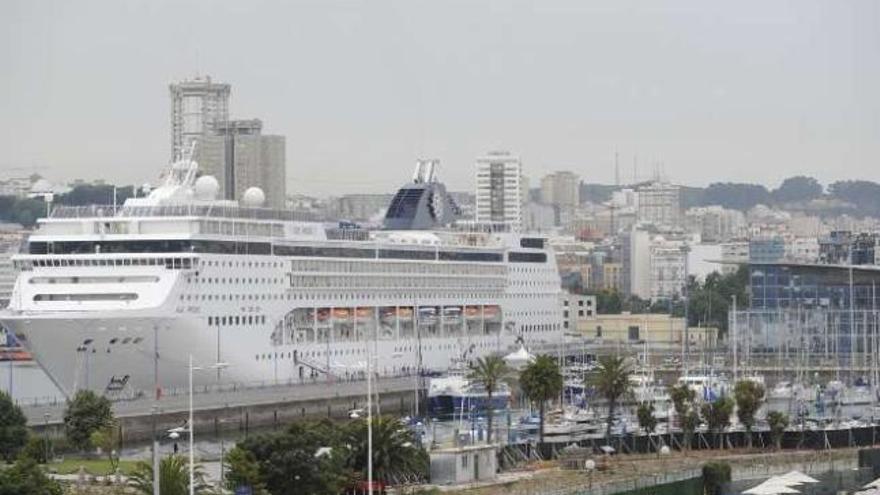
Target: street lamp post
(191,431)
(191,422)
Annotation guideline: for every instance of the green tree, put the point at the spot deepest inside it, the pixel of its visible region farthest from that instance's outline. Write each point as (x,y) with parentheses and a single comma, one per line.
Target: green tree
(490,372)
(173,477)
(608,302)
(13,428)
(243,470)
(308,457)
(749,396)
(865,195)
(612,381)
(106,438)
(778,422)
(36,449)
(717,414)
(689,423)
(647,420)
(26,478)
(715,476)
(86,413)
(683,398)
(736,196)
(541,381)
(798,188)
(396,457)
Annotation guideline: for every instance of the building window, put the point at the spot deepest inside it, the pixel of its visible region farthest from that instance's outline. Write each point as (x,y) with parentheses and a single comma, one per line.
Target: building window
(633,332)
(599,331)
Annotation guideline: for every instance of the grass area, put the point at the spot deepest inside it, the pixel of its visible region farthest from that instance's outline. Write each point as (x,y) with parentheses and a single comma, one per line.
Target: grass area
(93,466)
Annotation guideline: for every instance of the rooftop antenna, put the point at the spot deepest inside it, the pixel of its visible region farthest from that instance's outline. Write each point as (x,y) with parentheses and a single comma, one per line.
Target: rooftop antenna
(635,169)
(616,169)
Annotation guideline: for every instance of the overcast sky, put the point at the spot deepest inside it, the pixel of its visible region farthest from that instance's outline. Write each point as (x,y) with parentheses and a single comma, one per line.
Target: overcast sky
(743,91)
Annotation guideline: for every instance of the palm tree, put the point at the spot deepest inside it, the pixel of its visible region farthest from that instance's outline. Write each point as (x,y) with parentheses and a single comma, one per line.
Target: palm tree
(647,420)
(489,372)
(173,477)
(717,415)
(541,381)
(612,381)
(778,422)
(749,396)
(396,457)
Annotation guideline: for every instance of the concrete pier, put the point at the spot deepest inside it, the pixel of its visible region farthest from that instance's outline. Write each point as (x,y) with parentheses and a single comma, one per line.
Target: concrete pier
(243,408)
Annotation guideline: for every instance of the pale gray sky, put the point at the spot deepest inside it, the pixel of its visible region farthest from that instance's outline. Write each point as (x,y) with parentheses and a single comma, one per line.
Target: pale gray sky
(752,90)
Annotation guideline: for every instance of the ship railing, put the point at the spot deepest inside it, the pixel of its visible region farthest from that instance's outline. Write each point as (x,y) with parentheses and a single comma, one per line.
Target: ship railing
(182,210)
(42,400)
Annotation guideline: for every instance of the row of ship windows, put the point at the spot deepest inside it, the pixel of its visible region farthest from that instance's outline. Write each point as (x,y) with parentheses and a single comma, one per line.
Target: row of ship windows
(311,296)
(265,248)
(241,264)
(372,267)
(169,263)
(395,282)
(232,297)
(360,351)
(222,321)
(236,280)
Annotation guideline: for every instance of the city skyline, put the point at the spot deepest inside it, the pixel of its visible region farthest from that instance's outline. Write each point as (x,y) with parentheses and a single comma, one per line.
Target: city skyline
(454,82)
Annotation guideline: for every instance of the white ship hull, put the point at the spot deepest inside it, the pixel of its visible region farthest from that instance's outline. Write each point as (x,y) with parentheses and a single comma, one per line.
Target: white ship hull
(81,345)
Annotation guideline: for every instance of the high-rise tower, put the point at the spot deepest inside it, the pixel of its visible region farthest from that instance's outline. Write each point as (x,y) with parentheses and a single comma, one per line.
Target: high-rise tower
(198,107)
(499,191)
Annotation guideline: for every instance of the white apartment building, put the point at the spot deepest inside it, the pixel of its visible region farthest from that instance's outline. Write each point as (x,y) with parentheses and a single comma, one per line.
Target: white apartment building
(659,204)
(499,190)
(715,223)
(576,308)
(561,189)
(669,269)
(9,244)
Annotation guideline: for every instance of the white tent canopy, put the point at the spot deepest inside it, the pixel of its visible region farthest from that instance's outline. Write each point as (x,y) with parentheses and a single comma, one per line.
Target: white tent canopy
(773,486)
(796,477)
(519,359)
(873,484)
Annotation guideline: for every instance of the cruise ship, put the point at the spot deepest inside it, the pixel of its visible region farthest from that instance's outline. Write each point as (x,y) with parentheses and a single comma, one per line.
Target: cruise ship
(118,297)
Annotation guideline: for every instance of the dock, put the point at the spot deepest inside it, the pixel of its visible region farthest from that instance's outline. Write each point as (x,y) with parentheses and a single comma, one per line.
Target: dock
(242,408)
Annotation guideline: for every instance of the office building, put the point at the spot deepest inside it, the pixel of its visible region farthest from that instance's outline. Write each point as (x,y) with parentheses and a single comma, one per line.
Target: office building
(766,250)
(843,247)
(198,106)
(561,189)
(240,156)
(499,190)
